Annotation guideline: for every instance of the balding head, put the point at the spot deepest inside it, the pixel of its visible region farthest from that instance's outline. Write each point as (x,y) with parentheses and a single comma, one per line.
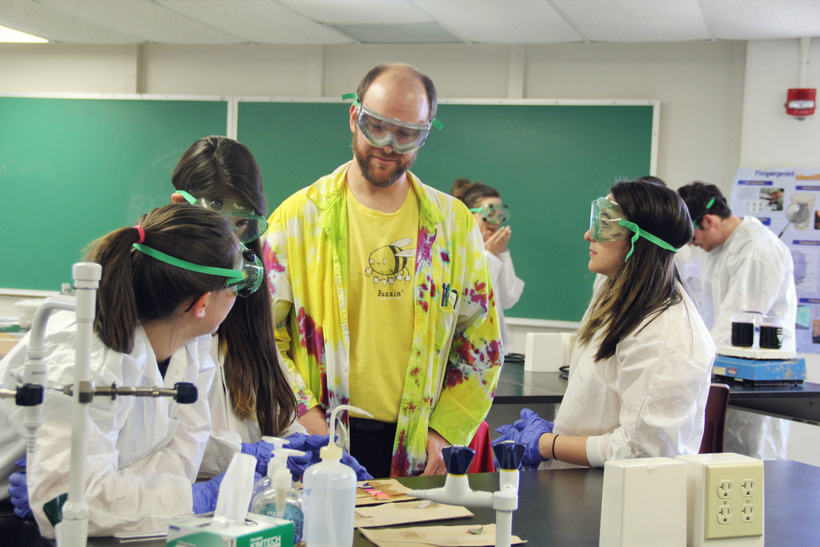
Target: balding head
(398,76)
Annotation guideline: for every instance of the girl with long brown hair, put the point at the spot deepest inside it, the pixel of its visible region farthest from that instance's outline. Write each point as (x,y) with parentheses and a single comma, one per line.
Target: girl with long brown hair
(641,367)
(251,396)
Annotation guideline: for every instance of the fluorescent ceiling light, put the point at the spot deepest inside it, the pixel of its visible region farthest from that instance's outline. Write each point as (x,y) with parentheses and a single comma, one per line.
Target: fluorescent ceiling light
(10,35)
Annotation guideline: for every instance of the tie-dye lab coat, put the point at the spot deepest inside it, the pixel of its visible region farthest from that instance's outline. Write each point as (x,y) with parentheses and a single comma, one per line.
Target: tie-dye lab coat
(456,356)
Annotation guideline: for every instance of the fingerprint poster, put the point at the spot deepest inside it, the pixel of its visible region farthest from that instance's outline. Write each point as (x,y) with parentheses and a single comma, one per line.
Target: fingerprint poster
(788,202)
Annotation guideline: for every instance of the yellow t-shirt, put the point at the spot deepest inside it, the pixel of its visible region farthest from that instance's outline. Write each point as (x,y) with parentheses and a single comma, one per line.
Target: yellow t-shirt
(381,270)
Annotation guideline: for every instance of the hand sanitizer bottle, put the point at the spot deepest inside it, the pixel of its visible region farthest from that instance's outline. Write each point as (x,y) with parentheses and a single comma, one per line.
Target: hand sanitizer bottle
(275,495)
(330,495)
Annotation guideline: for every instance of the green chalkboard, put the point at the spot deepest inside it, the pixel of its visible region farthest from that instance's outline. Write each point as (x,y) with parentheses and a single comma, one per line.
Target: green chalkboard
(72,170)
(547,161)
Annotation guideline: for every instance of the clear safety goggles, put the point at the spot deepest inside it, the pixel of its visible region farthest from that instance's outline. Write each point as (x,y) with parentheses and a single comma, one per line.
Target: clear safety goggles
(246,224)
(243,280)
(381,130)
(608,223)
(493,213)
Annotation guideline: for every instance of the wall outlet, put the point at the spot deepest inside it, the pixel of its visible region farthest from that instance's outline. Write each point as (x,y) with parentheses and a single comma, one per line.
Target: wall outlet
(724,500)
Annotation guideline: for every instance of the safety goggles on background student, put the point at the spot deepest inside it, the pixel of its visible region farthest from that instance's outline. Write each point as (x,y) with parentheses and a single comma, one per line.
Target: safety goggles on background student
(246,224)
(493,213)
(243,280)
(381,130)
(607,223)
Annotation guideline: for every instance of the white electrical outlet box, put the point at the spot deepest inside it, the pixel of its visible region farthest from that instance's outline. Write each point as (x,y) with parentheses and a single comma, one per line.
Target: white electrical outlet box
(724,500)
(644,503)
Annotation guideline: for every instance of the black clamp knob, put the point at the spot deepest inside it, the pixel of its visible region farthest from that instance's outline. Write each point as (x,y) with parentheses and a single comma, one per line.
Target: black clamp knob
(509,454)
(29,395)
(186,393)
(457,459)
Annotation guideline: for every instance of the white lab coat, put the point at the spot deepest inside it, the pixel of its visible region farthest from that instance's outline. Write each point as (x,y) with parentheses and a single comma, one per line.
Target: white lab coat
(649,398)
(689,262)
(228,431)
(507,288)
(143,453)
(752,271)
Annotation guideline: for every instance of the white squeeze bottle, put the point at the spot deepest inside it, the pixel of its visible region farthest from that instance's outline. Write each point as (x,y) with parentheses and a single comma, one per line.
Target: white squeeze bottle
(329,490)
(275,495)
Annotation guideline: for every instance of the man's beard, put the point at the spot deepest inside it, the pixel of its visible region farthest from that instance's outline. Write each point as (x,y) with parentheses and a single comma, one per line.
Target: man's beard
(364,165)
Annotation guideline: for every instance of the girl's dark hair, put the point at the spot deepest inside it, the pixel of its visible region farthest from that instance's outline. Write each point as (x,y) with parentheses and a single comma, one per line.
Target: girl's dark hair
(136,287)
(646,284)
(471,193)
(213,168)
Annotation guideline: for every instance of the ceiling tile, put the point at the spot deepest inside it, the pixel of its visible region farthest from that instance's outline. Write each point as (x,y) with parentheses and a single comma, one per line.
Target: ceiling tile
(762,19)
(422,33)
(360,12)
(145,19)
(258,21)
(635,20)
(501,21)
(35,18)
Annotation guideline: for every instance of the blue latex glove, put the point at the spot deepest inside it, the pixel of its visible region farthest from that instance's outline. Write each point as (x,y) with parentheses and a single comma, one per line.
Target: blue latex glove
(527,431)
(205,494)
(310,445)
(261,451)
(18,490)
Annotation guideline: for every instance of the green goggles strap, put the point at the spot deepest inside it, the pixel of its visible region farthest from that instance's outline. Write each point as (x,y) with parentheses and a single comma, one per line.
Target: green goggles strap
(188,197)
(646,235)
(232,275)
(434,122)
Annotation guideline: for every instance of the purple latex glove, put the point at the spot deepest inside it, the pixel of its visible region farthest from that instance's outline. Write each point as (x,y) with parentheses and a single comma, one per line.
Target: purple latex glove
(262,452)
(527,431)
(205,494)
(18,490)
(310,445)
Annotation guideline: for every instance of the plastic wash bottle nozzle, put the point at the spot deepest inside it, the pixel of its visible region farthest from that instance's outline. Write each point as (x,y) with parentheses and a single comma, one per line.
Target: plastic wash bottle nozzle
(330,494)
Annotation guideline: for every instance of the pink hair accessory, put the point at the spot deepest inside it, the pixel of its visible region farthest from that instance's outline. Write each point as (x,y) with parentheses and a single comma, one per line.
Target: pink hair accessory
(141,233)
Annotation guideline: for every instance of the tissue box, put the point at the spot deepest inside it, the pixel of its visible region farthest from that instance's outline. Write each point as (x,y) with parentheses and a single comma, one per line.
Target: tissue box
(204,531)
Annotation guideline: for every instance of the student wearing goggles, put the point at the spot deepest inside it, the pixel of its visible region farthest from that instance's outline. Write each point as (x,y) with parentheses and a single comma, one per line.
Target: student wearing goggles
(642,361)
(246,224)
(403,137)
(496,214)
(243,280)
(607,223)
(491,216)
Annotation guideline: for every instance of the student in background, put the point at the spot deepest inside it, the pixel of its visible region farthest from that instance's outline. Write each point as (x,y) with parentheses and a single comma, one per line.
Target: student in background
(641,367)
(745,268)
(491,215)
(687,260)
(251,396)
(143,453)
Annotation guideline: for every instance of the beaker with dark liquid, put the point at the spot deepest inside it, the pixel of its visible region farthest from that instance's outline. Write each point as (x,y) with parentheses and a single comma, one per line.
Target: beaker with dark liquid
(743,330)
(771,333)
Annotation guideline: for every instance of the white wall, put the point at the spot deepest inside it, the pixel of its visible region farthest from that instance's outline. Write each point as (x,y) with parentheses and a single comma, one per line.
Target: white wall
(769,137)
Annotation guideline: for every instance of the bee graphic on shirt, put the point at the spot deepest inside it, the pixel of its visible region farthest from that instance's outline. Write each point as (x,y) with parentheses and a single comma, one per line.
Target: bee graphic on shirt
(388,264)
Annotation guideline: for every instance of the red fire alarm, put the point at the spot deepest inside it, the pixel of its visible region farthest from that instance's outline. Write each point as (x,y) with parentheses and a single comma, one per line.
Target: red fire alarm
(801,102)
